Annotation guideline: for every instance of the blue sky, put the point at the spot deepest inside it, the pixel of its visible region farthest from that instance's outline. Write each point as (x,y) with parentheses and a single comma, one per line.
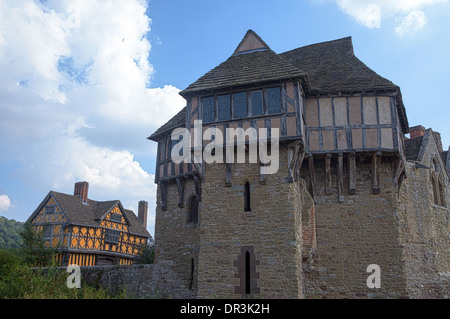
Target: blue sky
(83,83)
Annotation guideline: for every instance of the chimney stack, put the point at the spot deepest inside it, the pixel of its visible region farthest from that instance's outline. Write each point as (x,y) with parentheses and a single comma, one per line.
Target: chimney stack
(417,131)
(142,212)
(81,190)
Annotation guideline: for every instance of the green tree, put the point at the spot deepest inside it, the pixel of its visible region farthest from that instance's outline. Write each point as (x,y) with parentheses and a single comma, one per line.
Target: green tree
(34,250)
(147,253)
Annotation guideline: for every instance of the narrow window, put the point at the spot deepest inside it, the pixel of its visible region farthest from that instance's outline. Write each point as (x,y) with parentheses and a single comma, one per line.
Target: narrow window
(240,105)
(257,103)
(247,206)
(247,273)
(274,100)
(193,210)
(224,107)
(191,276)
(208,110)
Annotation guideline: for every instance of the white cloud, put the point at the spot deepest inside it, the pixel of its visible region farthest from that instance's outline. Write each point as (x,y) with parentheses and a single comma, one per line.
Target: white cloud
(411,24)
(370,13)
(5,203)
(75,96)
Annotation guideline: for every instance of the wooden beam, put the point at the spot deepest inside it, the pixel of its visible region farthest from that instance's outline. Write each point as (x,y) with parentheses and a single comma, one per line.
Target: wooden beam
(340,177)
(328,189)
(198,187)
(376,161)
(352,173)
(180,187)
(312,176)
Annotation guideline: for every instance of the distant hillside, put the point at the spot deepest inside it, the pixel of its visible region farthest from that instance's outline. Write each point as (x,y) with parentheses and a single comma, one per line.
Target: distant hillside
(9,233)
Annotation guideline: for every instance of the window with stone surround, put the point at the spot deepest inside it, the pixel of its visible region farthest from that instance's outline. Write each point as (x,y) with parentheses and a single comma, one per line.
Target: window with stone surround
(246,272)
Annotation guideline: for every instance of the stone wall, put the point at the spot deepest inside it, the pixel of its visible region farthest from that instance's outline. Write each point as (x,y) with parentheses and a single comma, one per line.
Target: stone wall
(177,240)
(361,230)
(425,232)
(140,281)
(270,232)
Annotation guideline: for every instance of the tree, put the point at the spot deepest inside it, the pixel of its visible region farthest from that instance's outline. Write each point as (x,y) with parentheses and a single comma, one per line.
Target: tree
(34,250)
(147,253)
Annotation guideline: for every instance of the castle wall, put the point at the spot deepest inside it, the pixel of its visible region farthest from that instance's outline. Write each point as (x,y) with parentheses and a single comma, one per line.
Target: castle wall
(425,232)
(361,230)
(176,239)
(270,233)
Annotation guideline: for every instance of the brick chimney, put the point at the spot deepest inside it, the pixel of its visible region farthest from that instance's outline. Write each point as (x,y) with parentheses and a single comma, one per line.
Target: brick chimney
(417,131)
(142,212)
(81,190)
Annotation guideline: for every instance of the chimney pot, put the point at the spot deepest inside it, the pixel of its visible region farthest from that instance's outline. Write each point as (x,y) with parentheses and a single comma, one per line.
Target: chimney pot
(417,131)
(81,190)
(143,212)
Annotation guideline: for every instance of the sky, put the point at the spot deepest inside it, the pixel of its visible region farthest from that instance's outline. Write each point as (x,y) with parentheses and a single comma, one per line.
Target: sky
(83,83)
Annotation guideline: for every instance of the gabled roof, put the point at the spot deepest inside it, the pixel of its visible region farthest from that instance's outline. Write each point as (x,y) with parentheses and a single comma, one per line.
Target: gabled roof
(253,62)
(91,214)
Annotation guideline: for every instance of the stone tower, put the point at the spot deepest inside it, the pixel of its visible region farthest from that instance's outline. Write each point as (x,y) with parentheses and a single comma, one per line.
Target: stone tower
(283,178)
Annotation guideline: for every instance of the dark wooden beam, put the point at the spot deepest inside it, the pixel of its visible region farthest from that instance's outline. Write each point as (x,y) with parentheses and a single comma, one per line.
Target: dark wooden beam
(180,187)
(352,173)
(328,189)
(340,177)
(376,161)
(312,176)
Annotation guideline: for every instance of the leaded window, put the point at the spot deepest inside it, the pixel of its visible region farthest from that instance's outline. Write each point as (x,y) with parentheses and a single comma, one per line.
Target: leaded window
(224,107)
(273,100)
(208,110)
(240,105)
(257,103)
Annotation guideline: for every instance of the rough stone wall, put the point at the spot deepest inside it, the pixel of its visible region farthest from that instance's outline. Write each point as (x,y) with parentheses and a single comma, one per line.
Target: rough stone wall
(425,232)
(140,281)
(353,234)
(272,229)
(176,240)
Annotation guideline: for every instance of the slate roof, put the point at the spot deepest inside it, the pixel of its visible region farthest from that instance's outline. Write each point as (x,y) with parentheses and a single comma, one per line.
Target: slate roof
(91,214)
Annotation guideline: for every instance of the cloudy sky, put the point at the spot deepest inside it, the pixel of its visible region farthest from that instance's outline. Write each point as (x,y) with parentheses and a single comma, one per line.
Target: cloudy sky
(84,83)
